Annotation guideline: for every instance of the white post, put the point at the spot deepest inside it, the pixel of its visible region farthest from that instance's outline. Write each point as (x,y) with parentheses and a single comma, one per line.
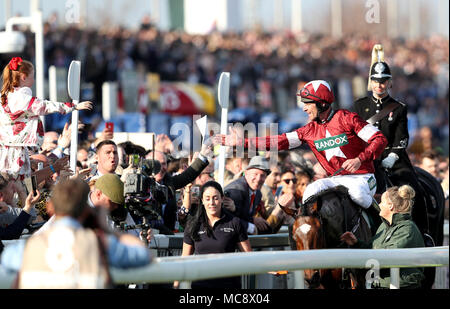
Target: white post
(278,15)
(392,18)
(84,13)
(156,12)
(224,93)
(73,84)
(395,278)
(299,279)
(443,18)
(7,10)
(38,30)
(296,16)
(336,18)
(414,19)
(109,103)
(185,285)
(52,84)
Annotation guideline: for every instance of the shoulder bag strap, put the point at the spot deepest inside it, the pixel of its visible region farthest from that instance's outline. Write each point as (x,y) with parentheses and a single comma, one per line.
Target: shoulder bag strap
(382,113)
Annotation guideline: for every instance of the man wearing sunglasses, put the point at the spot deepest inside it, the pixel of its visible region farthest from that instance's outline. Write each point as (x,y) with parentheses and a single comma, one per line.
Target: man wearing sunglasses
(343,143)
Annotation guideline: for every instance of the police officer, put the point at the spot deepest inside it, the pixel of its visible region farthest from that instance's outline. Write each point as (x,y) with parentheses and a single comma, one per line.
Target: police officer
(390,117)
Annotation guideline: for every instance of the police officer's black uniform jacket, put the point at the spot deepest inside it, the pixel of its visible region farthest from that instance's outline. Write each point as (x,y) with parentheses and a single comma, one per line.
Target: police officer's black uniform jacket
(395,127)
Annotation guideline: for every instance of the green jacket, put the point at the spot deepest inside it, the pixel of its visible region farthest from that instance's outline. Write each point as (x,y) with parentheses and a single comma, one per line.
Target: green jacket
(402,233)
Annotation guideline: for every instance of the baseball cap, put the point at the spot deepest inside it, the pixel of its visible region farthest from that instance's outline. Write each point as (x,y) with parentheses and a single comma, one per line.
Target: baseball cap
(112,187)
(260,163)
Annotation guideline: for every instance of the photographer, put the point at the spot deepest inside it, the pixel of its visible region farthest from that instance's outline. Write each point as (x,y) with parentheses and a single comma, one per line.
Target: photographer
(108,193)
(173,183)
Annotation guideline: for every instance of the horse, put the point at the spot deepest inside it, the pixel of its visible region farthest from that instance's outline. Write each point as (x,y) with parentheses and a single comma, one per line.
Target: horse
(319,223)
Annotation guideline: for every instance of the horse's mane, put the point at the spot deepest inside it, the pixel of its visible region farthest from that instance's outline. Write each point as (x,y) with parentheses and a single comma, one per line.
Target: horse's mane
(313,205)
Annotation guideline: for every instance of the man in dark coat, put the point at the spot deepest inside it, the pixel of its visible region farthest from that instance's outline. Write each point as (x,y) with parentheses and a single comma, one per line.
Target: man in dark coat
(246,195)
(390,117)
(176,182)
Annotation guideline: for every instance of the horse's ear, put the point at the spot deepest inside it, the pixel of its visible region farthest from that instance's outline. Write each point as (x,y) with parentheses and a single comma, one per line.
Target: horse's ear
(314,207)
(289,211)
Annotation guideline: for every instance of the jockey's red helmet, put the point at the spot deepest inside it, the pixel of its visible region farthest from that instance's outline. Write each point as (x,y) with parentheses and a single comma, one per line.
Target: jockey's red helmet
(316,91)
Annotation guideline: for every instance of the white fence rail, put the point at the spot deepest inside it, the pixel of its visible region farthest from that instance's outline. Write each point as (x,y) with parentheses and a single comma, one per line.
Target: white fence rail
(169,269)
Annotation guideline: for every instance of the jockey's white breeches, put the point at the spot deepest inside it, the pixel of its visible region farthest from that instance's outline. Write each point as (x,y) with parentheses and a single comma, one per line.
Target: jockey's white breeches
(361,188)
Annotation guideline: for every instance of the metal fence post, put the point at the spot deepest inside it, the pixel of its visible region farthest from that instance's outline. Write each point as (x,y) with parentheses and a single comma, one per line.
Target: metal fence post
(299,278)
(395,278)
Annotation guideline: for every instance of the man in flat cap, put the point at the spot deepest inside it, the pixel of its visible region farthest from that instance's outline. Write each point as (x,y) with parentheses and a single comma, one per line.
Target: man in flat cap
(246,194)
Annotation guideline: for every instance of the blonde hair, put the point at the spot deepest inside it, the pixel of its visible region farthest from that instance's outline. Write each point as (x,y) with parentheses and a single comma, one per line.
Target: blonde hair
(402,198)
(11,78)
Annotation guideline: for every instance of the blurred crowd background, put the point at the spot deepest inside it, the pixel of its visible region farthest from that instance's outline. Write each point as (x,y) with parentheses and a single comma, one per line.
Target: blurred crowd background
(266,69)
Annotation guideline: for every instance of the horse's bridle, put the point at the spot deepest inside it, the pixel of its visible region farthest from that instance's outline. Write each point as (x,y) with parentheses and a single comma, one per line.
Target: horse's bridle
(313,282)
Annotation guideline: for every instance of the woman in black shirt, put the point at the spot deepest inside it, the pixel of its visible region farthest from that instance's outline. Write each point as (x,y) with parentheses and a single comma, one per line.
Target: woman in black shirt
(214,230)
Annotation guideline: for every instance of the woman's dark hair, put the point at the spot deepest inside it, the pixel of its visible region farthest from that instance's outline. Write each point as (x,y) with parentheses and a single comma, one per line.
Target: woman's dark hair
(285,170)
(200,218)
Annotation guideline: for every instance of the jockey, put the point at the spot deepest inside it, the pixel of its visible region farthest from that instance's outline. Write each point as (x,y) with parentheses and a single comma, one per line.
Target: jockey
(343,143)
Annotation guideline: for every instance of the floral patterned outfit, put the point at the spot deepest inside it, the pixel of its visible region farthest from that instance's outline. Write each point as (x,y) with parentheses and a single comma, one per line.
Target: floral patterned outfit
(21,129)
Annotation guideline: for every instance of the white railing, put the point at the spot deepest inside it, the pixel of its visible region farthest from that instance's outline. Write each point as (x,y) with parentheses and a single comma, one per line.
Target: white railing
(191,268)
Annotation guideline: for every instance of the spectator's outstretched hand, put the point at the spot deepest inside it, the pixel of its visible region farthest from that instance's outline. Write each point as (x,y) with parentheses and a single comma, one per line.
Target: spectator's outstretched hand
(286,199)
(62,164)
(80,173)
(65,137)
(31,201)
(164,144)
(86,105)
(228,203)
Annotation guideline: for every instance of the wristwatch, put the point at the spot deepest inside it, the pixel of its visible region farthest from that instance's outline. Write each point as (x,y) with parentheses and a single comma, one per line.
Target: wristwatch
(184,211)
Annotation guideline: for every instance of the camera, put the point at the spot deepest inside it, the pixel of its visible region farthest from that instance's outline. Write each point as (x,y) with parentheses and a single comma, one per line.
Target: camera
(144,197)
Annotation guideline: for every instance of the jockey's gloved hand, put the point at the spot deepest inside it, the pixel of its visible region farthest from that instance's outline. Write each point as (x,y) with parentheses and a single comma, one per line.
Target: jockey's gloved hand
(390,160)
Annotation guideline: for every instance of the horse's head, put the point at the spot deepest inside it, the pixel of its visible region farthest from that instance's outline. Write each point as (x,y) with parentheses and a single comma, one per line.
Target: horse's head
(307,230)
(308,234)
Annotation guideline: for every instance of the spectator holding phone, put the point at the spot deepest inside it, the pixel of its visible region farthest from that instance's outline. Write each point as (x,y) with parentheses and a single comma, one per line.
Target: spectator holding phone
(15,229)
(10,208)
(269,189)
(77,249)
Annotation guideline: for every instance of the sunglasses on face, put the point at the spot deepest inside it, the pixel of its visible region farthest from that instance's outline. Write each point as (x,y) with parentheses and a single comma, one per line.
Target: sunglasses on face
(287,181)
